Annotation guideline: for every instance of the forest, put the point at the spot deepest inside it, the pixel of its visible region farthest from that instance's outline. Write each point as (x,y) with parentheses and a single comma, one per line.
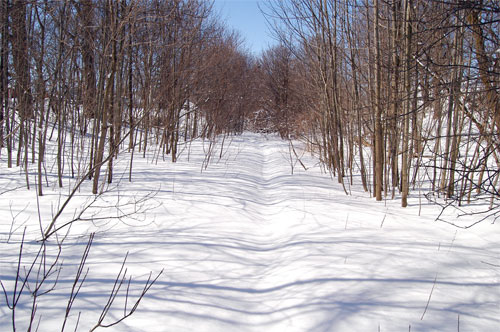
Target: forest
(384,89)
(403,95)
(387,86)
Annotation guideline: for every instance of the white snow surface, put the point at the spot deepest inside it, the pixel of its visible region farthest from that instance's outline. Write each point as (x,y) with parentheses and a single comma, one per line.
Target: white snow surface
(248,246)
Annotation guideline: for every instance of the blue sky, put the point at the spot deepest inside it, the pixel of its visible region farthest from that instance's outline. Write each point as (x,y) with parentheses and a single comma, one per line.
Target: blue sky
(245,17)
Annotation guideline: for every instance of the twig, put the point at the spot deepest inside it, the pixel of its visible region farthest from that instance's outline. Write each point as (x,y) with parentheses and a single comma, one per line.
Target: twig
(382,223)
(77,284)
(429,299)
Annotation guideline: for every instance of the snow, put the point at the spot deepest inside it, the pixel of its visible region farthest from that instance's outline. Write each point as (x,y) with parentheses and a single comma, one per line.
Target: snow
(246,245)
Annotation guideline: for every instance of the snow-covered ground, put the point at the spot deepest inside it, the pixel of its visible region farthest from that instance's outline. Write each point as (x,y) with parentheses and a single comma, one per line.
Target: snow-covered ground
(247,246)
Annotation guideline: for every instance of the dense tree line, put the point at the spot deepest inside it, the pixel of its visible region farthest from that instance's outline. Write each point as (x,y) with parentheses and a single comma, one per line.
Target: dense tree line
(403,93)
(96,75)
(410,86)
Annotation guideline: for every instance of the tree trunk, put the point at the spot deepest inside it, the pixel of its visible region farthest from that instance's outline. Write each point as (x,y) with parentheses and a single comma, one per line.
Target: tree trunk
(379,148)
(407,109)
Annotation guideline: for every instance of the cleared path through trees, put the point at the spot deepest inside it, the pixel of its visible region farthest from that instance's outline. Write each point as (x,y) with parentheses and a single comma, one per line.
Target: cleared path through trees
(248,246)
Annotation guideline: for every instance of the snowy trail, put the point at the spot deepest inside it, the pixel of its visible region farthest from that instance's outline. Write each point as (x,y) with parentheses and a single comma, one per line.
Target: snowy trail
(247,246)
